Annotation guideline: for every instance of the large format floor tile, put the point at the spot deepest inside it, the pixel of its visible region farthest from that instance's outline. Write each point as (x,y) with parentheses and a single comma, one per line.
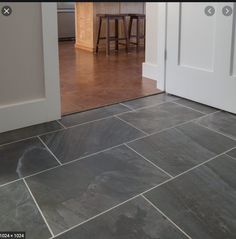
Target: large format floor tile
(232,153)
(202,202)
(150,100)
(136,219)
(27,132)
(19,213)
(23,158)
(90,138)
(222,122)
(179,149)
(196,106)
(160,117)
(91,115)
(75,192)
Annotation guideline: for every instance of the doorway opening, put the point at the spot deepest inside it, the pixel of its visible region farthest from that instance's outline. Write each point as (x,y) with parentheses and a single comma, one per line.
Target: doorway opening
(90,80)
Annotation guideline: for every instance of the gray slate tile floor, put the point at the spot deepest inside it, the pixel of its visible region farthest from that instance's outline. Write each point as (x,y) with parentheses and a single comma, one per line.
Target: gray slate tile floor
(232,153)
(72,194)
(18,212)
(160,117)
(135,219)
(23,158)
(203,201)
(222,122)
(176,180)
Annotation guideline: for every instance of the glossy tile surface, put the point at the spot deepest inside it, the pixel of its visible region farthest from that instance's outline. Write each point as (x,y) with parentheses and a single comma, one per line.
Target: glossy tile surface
(91,115)
(23,158)
(19,213)
(196,106)
(83,140)
(222,122)
(203,201)
(150,100)
(75,192)
(19,134)
(179,149)
(232,153)
(160,117)
(136,219)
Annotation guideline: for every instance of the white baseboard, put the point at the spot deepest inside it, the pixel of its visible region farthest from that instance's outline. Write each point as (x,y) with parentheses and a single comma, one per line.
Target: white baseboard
(152,71)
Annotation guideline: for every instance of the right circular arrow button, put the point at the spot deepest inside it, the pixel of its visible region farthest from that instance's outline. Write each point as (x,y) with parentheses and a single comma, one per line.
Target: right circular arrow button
(227,11)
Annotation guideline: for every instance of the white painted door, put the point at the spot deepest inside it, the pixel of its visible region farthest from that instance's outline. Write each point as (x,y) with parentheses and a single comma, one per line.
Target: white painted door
(201,54)
(29,69)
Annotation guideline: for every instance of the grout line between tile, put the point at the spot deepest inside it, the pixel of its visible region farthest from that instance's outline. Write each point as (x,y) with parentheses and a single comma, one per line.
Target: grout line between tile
(216,131)
(230,156)
(141,194)
(131,125)
(31,137)
(49,228)
(5,184)
(62,125)
(90,219)
(90,155)
(157,104)
(72,126)
(177,125)
(163,214)
(189,170)
(149,161)
(45,170)
(104,150)
(49,150)
(127,107)
(65,127)
(61,165)
(188,107)
(31,175)
(147,107)
(168,180)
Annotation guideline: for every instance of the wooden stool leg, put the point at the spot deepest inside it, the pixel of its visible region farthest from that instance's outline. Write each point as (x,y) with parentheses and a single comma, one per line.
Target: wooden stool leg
(126,35)
(108,36)
(99,32)
(117,33)
(130,27)
(138,34)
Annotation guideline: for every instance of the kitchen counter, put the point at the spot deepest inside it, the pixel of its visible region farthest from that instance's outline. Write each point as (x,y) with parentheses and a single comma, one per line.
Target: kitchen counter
(86,20)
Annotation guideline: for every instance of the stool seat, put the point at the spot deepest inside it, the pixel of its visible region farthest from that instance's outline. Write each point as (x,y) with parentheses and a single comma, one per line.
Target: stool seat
(112,15)
(137,15)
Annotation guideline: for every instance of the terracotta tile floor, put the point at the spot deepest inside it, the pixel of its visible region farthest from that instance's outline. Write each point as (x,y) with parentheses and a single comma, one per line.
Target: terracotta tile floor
(90,81)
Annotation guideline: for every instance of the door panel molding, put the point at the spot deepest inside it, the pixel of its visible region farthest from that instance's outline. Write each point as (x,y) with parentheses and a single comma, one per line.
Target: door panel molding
(211,87)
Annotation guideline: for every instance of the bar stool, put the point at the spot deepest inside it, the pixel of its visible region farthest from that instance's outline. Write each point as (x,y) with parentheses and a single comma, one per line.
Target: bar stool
(109,38)
(138,36)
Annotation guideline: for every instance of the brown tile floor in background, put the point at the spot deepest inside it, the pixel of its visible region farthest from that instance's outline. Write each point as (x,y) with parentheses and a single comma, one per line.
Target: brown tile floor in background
(90,81)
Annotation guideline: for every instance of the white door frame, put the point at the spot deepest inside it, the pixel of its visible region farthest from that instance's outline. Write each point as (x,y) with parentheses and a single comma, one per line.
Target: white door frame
(47,108)
(156,22)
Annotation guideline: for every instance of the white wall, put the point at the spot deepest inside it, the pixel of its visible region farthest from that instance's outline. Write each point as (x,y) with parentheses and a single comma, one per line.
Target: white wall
(29,67)
(21,49)
(154,67)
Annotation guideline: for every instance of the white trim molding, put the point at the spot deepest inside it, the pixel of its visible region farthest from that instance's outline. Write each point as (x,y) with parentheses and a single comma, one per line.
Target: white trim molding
(155,58)
(150,71)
